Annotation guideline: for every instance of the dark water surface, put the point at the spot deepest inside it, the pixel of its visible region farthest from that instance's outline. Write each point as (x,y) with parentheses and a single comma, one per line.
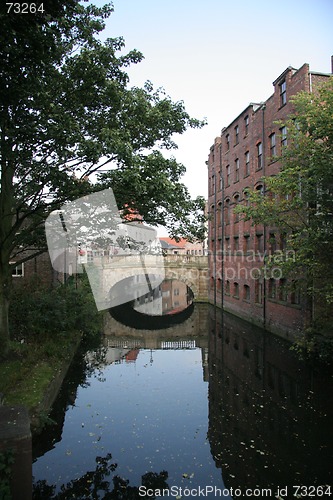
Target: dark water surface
(192,410)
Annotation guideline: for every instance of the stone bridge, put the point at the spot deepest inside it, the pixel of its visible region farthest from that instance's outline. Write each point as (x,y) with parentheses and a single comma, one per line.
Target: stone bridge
(189,269)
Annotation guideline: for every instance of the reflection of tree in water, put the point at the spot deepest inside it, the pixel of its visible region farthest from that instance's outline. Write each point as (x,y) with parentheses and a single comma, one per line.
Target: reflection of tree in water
(82,367)
(95,485)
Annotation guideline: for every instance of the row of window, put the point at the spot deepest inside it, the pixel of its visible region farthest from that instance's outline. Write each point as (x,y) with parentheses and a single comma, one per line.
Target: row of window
(259,157)
(236,133)
(278,290)
(259,161)
(283,101)
(275,243)
(228,204)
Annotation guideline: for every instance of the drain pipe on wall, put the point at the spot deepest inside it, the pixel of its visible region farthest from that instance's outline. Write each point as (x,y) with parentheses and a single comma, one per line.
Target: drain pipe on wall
(263,108)
(222,227)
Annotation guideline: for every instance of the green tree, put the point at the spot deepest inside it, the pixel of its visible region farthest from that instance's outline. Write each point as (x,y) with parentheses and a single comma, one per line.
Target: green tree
(299,201)
(67,112)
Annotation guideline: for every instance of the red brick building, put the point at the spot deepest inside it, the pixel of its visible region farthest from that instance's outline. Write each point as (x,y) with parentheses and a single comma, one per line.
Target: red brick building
(239,158)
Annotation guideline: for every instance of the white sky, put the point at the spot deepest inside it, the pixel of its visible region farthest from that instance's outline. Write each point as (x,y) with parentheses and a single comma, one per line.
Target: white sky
(218,56)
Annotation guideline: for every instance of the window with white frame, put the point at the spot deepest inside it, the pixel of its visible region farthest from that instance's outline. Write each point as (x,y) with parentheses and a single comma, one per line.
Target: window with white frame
(259,156)
(246,123)
(236,170)
(283,93)
(272,142)
(18,271)
(247,164)
(236,135)
(283,131)
(228,175)
(227,138)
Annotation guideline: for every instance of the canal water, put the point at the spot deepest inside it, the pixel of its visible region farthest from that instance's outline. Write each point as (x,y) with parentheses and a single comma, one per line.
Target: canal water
(207,407)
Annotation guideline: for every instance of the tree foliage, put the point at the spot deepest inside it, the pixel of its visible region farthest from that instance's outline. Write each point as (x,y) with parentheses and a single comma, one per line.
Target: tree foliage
(66,113)
(299,199)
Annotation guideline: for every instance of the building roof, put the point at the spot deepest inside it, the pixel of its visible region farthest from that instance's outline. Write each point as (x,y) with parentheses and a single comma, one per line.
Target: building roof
(167,242)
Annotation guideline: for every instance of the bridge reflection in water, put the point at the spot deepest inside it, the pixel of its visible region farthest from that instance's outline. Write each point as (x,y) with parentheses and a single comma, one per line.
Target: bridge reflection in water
(168,297)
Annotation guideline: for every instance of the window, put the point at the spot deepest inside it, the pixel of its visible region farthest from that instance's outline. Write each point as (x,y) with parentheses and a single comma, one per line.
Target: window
(227,211)
(283,131)
(228,175)
(236,135)
(283,93)
(246,123)
(18,271)
(295,296)
(246,294)
(212,185)
(260,189)
(246,243)
(237,170)
(236,290)
(246,197)
(272,142)
(227,245)
(283,292)
(236,243)
(227,138)
(258,292)
(272,288)
(221,180)
(247,164)
(236,201)
(260,243)
(283,241)
(176,291)
(227,287)
(259,156)
(272,241)
(219,214)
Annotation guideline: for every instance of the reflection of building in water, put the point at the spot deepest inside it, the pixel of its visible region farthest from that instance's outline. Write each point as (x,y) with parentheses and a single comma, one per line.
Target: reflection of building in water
(266,425)
(134,287)
(119,354)
(170,297)
(126,349)
(175,296)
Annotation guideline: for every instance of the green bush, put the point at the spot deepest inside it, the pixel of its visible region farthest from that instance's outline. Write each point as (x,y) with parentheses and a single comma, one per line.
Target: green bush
(37,310)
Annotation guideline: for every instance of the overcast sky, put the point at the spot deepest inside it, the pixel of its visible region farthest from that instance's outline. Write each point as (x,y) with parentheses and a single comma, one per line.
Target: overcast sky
(220,55)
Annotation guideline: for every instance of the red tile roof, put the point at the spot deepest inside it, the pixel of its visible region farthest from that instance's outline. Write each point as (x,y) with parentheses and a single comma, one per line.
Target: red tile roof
(180,244)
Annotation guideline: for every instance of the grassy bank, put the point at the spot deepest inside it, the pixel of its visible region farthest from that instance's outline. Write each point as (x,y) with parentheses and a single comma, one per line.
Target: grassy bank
(31,367)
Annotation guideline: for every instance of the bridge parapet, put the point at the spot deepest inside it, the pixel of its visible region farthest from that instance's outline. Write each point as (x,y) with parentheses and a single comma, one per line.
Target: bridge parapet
(155,261)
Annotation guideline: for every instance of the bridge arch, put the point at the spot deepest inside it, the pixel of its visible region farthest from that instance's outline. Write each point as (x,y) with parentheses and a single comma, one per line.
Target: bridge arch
(191,270)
